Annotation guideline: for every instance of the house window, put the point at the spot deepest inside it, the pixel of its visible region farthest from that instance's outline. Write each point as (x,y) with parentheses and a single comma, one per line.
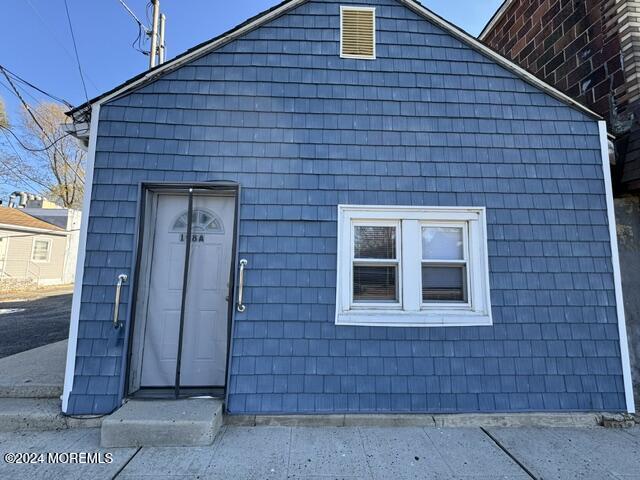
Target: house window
(376,264)
(41,251)
(358,32)
(444,263)
(412,266)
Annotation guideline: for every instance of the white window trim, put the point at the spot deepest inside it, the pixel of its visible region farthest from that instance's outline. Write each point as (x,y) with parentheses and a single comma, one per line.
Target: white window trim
(365,9)
(33,249)
(411,311)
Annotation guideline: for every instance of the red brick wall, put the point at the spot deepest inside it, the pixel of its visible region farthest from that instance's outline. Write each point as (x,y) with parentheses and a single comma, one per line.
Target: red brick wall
(570,44)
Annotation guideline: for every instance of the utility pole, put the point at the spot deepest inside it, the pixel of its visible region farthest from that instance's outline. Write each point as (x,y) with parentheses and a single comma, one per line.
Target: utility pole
(157,49)
(154,33)
(162,50)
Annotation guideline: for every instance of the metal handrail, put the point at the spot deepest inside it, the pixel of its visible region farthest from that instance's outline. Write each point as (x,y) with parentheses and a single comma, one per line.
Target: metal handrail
(30,271)
(241,307)
(116,308)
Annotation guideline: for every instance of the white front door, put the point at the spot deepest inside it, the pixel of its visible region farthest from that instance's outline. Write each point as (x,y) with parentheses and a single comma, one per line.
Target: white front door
(204,345)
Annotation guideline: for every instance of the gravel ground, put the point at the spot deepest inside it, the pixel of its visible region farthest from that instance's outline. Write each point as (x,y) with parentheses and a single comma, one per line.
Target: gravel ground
(33,319)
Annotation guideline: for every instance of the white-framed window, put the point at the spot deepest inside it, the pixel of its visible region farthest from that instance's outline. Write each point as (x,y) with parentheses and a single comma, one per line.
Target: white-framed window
(412,266)
(41,250)
(358,32)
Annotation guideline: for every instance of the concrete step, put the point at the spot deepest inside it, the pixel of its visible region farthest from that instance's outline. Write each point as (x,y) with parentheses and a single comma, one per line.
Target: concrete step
(163,423)
(37,373)
(30,414)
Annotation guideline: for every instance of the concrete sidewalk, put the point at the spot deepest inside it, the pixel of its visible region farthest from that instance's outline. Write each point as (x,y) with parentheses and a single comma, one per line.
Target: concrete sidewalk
(36,373)
(349,452)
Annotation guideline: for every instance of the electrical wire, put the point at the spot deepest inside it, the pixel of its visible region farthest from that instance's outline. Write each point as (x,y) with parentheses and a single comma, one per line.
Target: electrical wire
(24,147)
(75,48)
(133,15)
(14,93)
(32,115)
(22,80)
(29,149)
(33,183)
(143,30)
(21,176)
(7,87)
(137,43)
(46,23)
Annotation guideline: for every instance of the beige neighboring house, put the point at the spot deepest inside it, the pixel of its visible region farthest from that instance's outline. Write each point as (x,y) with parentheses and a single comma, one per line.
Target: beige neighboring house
(33,251)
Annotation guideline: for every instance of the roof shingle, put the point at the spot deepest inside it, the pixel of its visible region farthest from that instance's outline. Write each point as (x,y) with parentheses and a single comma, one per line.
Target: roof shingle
(18,218)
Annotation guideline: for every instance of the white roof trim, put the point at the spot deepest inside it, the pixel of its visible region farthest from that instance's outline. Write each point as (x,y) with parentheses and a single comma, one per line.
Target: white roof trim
(411,4)
(20,228)
(495,19)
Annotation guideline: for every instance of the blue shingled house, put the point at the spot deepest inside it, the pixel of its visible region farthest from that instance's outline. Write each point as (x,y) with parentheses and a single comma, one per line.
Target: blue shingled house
(346,206)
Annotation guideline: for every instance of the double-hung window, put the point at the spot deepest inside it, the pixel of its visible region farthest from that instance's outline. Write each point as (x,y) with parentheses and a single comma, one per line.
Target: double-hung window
(41,251)
(412,266)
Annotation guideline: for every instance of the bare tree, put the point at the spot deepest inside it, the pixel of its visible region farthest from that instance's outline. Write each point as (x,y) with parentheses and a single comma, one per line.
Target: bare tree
(51,160)
(4,122)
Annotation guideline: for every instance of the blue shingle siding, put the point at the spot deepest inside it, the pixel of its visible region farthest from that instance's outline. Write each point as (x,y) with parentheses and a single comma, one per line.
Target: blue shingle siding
(429,122)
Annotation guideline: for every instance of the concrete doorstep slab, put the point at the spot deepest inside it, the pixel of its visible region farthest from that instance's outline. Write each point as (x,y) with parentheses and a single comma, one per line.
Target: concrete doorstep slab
(163,423)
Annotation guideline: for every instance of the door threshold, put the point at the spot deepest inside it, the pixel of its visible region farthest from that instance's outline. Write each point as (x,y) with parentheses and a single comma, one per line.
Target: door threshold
(170,393)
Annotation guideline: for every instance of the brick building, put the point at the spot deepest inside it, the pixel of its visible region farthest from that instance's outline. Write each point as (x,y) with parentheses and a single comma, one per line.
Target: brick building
(590,50)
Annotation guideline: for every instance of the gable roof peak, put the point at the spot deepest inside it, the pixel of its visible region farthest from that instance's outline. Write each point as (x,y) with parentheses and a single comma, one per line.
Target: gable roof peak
(81,113)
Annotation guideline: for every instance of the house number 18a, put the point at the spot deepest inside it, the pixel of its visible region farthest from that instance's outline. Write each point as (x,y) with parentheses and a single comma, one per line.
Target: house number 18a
(194,237)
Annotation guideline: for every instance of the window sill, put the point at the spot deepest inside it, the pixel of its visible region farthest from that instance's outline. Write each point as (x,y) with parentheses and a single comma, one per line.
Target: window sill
(413,319)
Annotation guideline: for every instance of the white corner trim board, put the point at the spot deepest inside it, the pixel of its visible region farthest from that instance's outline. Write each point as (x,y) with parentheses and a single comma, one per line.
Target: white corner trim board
(72,344)
(617,278)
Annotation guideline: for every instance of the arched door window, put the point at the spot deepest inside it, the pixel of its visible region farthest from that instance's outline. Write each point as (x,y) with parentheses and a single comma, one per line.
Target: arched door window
(202,221)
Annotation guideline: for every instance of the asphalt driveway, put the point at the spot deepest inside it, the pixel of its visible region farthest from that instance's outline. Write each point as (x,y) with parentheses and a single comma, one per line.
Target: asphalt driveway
(33,320)
(345,452)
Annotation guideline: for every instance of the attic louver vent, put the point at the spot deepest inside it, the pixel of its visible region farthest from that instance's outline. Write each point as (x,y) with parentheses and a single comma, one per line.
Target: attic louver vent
(357,32)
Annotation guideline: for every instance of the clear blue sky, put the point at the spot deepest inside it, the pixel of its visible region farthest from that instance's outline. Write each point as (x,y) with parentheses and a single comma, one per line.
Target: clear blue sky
(36,43)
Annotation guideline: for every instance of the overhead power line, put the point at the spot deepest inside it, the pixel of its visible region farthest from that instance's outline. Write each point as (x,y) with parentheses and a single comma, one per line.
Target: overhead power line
(17,77)
(138,21)
(48,26)
(14,93)
(21,176)
(29,149)
(143,30)
(75,48)
(155,33)
(37,122)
